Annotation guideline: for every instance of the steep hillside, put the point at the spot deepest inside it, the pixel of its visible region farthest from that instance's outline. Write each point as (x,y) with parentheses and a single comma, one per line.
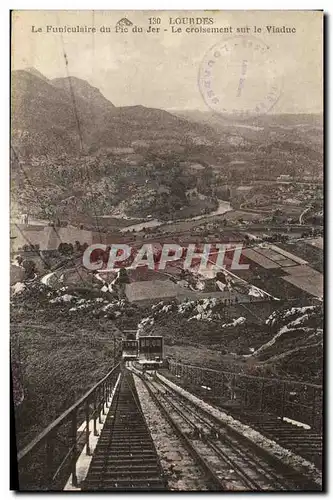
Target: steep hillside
(288,344)
(47,116)
(42,118)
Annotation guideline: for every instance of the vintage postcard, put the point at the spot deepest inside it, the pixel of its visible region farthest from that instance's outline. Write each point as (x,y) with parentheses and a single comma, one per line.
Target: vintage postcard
(166,230)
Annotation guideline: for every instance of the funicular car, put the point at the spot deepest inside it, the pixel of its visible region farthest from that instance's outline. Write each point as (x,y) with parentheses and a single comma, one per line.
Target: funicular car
(151,352)
(129,348)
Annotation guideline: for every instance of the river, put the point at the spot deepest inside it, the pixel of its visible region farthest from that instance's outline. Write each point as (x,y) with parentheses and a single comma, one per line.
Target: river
(223,207)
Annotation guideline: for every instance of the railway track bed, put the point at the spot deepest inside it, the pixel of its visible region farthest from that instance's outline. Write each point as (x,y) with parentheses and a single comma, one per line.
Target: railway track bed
(181,469)
(125,457)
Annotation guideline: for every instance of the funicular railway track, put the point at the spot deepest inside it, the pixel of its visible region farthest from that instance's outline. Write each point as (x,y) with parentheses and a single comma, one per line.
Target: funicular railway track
(231,462)
(125,457)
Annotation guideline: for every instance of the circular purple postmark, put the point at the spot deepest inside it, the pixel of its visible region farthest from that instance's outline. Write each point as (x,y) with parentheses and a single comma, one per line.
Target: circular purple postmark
(239,76)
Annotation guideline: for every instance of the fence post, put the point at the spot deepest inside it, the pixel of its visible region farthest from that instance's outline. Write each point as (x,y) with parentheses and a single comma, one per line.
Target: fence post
(49,459)
(313,416)
(214,383)
(99,405)
(103,398)
(283,399)
(111,387)
(95,415)
(107,393)
(245,395)
(87,427)
(74,447)
(261,403)
(233,383)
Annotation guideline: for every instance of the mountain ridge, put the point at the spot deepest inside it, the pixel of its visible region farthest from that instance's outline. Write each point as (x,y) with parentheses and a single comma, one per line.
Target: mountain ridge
(83,90)
(45,115)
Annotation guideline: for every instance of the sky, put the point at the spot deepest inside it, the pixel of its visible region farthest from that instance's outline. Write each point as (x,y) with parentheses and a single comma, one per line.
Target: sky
(162,69)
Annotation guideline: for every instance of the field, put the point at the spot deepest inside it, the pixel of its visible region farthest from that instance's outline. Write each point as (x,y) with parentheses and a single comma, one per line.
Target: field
(307,279)
(260,259)
(316,242)
(271,280)
(275,262)
(306,250)
(247,216)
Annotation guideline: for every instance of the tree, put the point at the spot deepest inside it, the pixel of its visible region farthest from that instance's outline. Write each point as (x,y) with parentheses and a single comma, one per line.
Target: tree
(123,276)
(182,274)
(19,259)
(65,248)
(61,248)
(77,246)
(70,249)
(29,268)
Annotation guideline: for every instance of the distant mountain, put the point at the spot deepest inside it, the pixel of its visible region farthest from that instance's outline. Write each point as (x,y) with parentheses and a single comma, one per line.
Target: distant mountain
(263,129)
(47,116)
(83,90)
(259,120)
(35,72)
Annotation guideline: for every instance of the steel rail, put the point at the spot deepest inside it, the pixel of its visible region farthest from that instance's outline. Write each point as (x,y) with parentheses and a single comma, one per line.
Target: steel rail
(212,478)
(244,476)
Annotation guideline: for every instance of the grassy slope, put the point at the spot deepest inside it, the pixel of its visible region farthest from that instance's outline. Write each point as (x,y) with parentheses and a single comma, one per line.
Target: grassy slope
(58,361)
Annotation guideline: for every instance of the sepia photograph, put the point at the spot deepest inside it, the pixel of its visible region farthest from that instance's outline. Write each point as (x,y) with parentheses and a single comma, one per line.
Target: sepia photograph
(167,250)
